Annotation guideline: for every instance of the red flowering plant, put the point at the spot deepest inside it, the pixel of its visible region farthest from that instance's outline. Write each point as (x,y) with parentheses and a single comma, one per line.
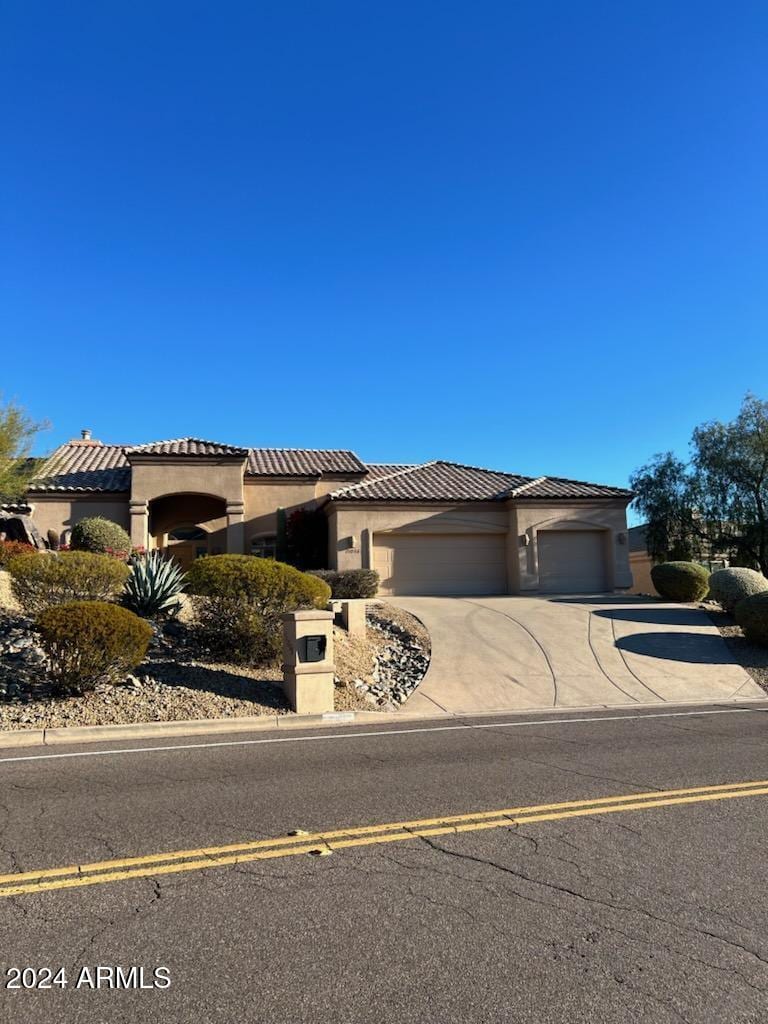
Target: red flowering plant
(11,549)
(115,553)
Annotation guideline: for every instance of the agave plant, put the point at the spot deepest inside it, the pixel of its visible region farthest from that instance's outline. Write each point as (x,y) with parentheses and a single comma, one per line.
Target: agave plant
(154,585)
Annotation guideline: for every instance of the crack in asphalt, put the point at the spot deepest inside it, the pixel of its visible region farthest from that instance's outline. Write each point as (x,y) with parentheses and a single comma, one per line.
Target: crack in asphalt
(695,930)
(586,775)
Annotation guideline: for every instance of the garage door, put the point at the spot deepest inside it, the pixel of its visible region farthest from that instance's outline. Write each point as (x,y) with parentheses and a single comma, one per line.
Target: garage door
(448,564)
(571,561)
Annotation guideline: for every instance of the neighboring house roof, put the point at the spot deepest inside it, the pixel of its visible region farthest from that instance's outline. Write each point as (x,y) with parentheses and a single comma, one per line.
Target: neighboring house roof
(186,446)
(638,538)
(302,462)
(452,481)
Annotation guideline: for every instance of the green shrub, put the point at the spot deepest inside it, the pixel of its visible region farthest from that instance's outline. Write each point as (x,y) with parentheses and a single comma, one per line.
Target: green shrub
(101,536)
(91,641)
(12,549)
(154,585)
(242,599)
(234,632)
(729,586)
(681,581)
(271,587)
(752,616)
(41,580)
(348,584)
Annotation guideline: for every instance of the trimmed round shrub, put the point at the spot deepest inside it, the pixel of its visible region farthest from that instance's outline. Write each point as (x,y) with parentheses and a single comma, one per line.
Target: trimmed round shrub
(348,584)
(101,536)
(242,599)
(681,581)
(729,586)
(41,580)
(752,616)
(270,586)
(12,549)
(87,642)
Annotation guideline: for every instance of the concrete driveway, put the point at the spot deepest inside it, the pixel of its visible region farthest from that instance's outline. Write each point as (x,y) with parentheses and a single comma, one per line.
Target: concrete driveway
(511,653)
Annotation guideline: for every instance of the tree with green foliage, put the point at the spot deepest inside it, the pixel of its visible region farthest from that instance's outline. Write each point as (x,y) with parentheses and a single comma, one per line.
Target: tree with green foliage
(717,502)
(17,434)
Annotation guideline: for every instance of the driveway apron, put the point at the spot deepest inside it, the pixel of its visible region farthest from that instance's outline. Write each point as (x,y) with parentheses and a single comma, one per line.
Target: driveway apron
(515,653)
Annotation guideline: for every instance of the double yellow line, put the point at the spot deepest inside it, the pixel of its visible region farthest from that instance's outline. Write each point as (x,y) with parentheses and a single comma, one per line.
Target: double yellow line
(177,861)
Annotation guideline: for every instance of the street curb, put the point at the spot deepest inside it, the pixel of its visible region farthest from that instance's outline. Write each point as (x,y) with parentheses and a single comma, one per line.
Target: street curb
(259,723)
(22,737)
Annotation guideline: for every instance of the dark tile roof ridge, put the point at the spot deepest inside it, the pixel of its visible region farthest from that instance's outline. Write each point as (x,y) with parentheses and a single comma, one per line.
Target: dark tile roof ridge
(530,482)
(187,439)
(480,469)
(585,483)
(383,479)
(348,451)
(75,442)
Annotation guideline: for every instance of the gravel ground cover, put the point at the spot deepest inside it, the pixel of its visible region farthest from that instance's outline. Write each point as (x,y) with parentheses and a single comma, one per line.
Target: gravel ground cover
(177,681)
(752,657)
(381,670)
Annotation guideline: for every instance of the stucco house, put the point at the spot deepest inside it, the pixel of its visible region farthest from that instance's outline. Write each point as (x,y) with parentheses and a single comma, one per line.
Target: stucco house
(432,528)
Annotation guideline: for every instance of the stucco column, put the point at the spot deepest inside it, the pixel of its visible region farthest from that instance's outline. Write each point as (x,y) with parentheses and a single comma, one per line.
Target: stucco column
(235,527)
(366,548)
(139,523)
(512,552)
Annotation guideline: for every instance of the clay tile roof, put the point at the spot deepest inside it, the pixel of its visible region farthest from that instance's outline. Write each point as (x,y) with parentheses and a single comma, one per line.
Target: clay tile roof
(90,466)
(558,487)
(451,481)
(433,481)
(301,462)
(79,466)
(186,446)
(374,470)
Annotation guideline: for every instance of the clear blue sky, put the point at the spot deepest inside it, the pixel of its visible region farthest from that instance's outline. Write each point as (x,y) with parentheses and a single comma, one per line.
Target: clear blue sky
(527,235)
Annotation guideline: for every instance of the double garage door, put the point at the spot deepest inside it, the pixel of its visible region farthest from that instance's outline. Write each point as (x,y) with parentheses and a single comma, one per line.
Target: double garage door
(570,561)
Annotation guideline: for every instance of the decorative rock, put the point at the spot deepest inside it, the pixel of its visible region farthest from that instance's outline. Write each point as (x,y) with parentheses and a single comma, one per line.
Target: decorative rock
(398,668)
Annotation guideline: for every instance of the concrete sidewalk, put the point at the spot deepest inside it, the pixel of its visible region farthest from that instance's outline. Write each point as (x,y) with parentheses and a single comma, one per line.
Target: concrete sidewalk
(514,653)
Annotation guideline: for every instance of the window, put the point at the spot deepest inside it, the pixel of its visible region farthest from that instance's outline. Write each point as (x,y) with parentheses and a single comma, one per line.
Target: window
(264,547)
(182,533)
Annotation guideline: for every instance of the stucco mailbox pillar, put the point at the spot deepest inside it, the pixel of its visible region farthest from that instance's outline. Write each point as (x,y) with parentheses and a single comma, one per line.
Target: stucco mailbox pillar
(308,661)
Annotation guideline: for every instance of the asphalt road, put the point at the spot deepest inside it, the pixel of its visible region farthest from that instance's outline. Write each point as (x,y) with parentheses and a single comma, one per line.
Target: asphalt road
(599,912)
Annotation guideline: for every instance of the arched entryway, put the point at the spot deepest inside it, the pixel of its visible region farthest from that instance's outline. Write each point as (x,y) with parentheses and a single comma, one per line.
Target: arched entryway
(188,526)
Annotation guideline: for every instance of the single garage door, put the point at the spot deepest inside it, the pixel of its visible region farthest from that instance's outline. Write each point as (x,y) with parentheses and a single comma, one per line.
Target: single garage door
(448,564)
(571,561)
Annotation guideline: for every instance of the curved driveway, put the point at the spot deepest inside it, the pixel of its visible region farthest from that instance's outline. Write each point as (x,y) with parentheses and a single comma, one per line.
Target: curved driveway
(512,653)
